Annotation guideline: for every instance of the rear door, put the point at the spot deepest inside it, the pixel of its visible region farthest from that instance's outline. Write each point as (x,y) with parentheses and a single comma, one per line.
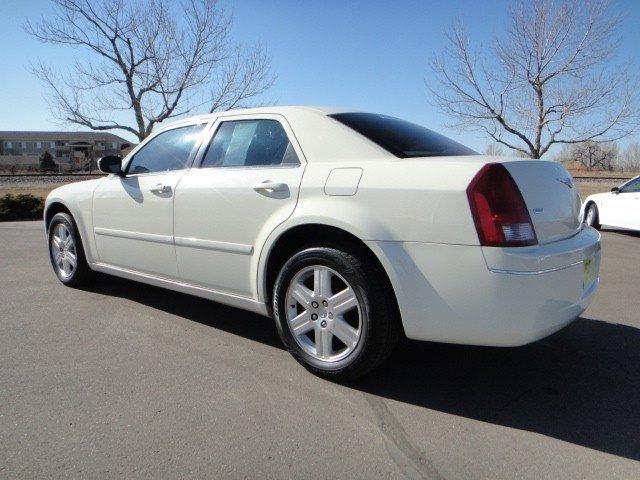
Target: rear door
(246,184)
(133,214)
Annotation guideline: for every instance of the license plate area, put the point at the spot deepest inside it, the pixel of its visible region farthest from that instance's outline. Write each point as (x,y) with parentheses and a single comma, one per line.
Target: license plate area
(588,272)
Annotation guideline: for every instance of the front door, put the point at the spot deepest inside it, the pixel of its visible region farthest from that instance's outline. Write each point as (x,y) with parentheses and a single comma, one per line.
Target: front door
(133,213)
(246,185)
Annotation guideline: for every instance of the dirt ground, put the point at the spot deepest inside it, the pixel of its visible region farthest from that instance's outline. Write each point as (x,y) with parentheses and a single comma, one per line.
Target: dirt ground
(590,188)
(42,191)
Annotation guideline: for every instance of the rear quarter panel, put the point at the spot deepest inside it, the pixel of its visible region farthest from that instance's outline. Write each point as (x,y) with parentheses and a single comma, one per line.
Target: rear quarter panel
(397,200)
(421,200)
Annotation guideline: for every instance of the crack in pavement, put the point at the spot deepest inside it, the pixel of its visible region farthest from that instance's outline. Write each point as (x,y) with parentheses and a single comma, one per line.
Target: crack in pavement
(404,454)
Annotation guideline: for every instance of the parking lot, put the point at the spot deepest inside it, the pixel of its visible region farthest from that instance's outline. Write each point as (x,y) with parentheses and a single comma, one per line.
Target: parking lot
(126,380)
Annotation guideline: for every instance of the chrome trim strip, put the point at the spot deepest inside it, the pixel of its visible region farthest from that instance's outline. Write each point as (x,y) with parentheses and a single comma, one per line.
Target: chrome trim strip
(149,237)
(537,272)
(213,245)
(237,301)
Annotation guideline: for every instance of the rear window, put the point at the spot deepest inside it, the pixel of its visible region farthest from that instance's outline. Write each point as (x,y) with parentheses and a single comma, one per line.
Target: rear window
(401,138)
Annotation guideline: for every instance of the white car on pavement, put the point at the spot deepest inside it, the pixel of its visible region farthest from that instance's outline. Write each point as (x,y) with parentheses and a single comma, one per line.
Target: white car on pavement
(349,229)
(619,208)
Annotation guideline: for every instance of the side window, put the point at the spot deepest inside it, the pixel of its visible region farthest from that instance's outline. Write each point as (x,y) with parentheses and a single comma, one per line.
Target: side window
(169,150)
(249,143)
(632,187)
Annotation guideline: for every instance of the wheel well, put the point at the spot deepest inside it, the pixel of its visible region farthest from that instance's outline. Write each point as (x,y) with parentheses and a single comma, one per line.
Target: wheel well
(303,236)
(54,208)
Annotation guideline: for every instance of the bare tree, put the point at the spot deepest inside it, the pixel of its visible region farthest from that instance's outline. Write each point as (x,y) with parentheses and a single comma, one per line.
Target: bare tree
(548,80)
(494,149)
(630,159)
(592,155)
(141,60)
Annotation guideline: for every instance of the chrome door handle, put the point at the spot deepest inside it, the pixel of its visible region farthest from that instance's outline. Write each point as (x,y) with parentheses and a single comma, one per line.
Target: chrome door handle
(160,188)
(270,186)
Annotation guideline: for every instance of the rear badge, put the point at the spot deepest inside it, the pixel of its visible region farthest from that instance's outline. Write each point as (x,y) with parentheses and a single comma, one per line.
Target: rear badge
(538,210)
(566,181)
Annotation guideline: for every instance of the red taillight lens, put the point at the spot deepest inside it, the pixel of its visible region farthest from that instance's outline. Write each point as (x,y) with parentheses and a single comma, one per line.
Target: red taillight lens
(499,211)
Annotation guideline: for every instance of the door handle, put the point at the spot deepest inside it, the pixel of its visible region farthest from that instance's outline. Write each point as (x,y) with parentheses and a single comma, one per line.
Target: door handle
(160,188)
(270,186)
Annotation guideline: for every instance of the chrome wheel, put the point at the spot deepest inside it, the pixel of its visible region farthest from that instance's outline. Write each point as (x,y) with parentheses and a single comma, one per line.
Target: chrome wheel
(63,251)
(323,313)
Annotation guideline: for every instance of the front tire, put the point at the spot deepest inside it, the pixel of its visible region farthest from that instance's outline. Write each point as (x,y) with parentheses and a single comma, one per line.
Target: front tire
(66,252)
(334,312)
(591,217)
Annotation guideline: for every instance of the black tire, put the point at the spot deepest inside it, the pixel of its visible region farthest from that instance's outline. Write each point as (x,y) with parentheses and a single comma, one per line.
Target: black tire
(81,274)
(596,216)
(380,327)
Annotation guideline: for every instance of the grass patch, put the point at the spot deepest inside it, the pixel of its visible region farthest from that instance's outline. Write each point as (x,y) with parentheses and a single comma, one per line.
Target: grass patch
(21,207)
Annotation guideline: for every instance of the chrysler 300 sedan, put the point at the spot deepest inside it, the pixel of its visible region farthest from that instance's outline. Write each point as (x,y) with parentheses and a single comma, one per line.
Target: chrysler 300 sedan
(350,229)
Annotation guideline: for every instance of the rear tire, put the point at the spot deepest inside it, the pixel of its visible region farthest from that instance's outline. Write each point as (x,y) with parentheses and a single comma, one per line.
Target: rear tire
(66,252)
(334,312)
(591,216)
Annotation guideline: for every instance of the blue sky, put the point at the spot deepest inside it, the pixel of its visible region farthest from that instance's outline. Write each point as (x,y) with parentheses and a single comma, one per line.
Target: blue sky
(371,55)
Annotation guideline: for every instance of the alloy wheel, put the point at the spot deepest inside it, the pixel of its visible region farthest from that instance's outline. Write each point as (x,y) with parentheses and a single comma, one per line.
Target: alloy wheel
(323,313)
(63,251)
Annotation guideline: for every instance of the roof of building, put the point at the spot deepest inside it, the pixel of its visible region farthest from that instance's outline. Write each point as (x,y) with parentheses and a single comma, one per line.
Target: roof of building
(31,135)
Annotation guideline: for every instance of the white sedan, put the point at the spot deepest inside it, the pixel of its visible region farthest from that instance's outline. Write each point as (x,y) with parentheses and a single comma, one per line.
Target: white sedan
(349,229)
(619,208)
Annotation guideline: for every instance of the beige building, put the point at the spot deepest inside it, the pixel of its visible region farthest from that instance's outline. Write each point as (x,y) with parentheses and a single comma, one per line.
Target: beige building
(70,150)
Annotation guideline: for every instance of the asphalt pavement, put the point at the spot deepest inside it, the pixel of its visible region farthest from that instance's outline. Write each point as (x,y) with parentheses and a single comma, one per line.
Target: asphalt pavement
(127,380)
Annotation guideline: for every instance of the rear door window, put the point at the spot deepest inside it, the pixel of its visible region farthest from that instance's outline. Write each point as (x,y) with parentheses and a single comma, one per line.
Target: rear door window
(249,143)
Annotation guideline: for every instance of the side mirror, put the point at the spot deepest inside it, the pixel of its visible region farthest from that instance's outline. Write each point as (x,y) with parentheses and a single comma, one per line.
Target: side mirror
(616,190)
(111,164)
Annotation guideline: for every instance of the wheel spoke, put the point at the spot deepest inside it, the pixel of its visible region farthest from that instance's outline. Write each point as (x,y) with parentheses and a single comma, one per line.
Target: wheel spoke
(301,324)
(345,332)
(72,259)
(62,233)
(302,294)
(343,301)
(321,282)
(323,342)
(66,266)
(57,257)
(68,241)
(56,241)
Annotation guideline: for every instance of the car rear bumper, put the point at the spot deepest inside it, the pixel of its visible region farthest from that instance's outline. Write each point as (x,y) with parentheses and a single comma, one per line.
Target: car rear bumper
(491,296)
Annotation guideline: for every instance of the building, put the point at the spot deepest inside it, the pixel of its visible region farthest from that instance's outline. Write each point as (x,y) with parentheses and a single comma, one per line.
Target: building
(70,150)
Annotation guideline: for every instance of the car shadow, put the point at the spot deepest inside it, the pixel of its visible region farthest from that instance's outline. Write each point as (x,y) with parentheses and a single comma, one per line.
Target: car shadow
(238,322)
(581,385)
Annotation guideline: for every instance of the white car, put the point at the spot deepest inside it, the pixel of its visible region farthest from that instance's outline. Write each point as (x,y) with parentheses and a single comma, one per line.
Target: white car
(619,208)
(350,229)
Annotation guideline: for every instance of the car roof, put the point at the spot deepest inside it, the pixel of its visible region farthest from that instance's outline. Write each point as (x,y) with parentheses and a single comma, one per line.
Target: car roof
(277,110)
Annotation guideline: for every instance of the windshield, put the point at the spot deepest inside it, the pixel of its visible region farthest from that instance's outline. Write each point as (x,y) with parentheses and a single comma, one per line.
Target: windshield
(401,138)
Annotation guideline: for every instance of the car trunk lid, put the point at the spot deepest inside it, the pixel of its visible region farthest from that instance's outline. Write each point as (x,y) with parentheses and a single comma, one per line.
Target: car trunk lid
(551,197)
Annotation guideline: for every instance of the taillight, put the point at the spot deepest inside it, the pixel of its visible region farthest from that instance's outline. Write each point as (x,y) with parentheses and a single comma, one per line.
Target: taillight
(499,211)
